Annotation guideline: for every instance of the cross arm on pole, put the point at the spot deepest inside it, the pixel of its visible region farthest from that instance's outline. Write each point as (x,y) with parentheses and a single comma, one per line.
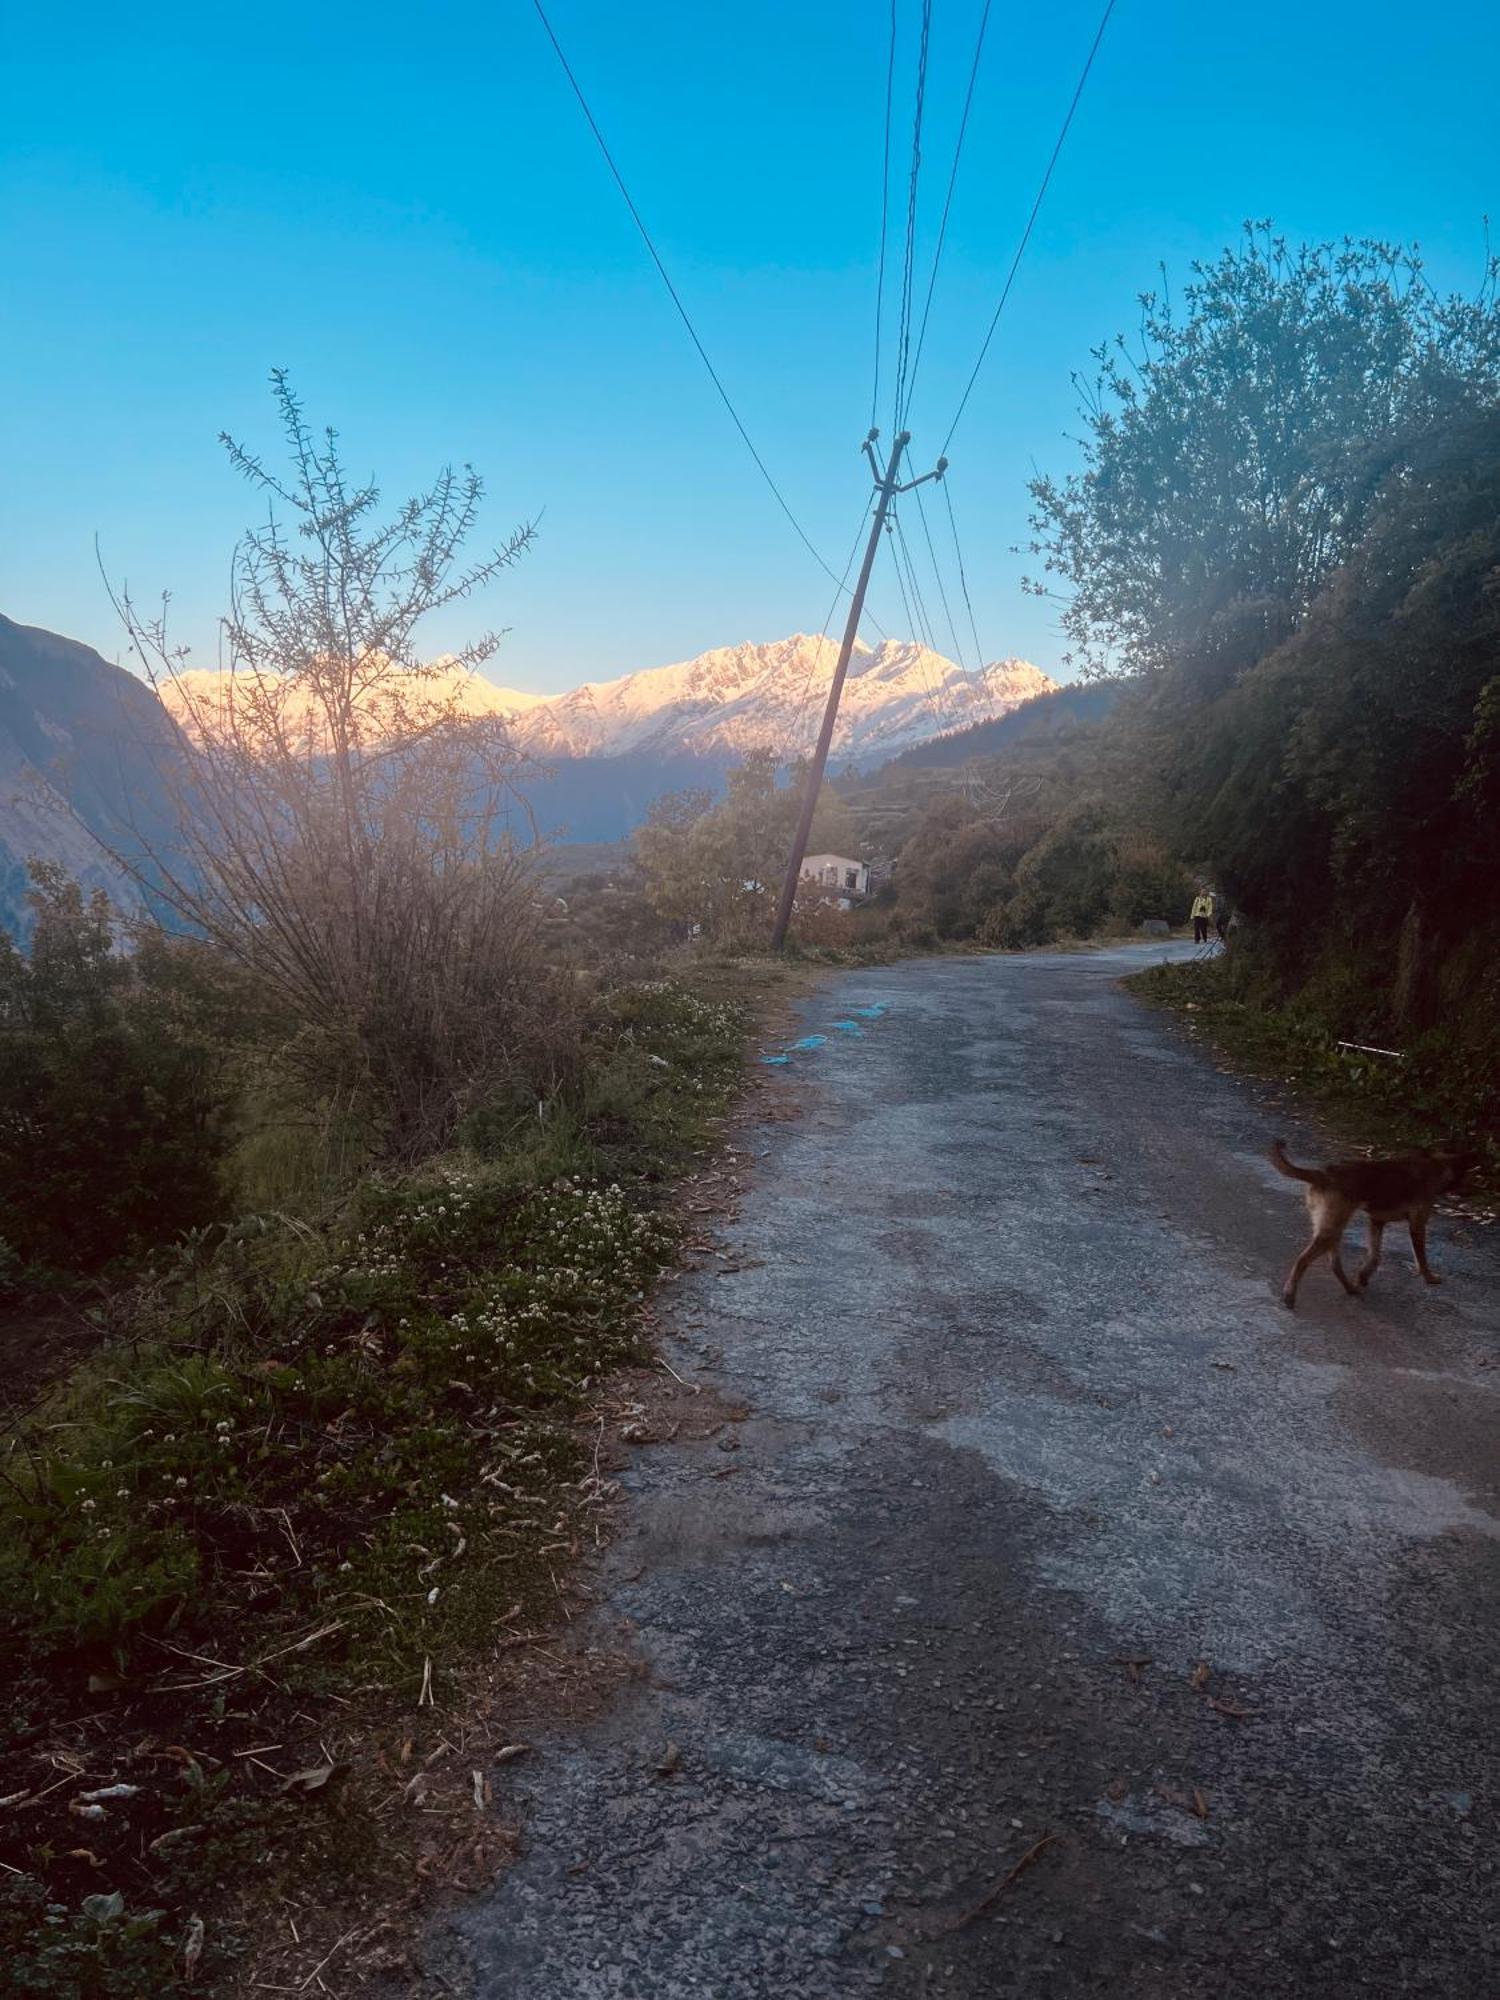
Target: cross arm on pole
(936,473)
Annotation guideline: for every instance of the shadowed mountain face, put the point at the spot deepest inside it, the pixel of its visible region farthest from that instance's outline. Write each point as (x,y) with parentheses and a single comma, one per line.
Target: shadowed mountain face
(83,751)
(1063,708)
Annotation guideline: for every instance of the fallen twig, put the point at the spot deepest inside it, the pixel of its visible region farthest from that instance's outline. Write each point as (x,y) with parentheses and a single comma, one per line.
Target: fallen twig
(1134,1662)
(325,1961)
(992,1896)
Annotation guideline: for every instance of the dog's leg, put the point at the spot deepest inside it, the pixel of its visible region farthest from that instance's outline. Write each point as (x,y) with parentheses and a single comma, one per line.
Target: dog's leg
(1323,1242)
(1371,1264)
(1338,1267)
(1417,1223)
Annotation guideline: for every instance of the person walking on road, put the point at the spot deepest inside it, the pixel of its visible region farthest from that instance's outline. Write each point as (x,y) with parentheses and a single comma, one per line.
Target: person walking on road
(1203,911)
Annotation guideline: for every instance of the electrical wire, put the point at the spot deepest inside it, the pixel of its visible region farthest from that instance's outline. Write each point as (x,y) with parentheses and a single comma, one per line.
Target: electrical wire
(1041,195)
(958,651)
(675,296)
(958,150)
(923,624)
(885,211)
(911,623)
(807,679)
(908,272)
(958,556)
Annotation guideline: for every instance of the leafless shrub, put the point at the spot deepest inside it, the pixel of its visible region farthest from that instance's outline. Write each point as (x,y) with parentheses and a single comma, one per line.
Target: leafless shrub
(344,824)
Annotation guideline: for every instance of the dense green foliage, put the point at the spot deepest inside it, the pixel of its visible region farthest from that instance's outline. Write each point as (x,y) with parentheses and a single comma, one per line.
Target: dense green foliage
(1233,459)
(1036,842)
(113,1091)
(1286,531)
(715,871)
(1289,518)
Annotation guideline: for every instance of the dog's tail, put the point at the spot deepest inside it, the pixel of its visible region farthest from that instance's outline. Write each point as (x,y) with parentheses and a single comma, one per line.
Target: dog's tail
(1290,1168)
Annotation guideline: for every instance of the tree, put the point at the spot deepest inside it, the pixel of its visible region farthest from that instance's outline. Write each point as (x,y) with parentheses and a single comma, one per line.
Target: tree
(1344,777)
(343,824)
(719,867)
(1230,465)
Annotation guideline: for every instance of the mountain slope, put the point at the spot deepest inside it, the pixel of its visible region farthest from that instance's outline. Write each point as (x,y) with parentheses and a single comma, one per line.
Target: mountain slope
(1069,707)
(82,752)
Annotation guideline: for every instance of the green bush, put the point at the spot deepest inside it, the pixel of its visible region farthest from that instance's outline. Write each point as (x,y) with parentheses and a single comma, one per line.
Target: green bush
(113,1094)
(337,1382)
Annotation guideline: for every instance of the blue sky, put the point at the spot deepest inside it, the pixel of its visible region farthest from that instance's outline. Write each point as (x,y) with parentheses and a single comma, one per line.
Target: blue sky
(404,208)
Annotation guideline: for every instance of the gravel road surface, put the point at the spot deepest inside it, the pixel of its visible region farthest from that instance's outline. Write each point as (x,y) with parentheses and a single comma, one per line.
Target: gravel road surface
(1049,1534)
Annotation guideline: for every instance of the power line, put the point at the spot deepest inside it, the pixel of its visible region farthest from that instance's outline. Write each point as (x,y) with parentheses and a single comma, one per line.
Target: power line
(937,255)
(911,622)
(682,311)
(963,579)
(958,651)
(1041,195)
(885,210)
(908,273)
(807,678)
(923,622)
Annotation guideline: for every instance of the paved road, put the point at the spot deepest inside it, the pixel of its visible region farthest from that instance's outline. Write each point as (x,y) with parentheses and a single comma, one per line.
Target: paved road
(1024,1409)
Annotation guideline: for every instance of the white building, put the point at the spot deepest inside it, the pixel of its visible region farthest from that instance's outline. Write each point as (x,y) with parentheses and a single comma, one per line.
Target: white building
(837,872)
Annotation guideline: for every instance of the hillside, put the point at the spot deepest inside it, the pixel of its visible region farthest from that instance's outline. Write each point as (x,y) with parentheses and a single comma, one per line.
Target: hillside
(82,747)
(588,799)
(1059,709)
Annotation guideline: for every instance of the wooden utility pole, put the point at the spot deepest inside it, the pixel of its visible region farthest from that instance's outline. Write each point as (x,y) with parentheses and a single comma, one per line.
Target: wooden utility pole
(887,486)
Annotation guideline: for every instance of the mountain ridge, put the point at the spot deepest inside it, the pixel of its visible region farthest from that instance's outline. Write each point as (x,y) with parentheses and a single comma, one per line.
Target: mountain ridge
(86,748)
(731,700)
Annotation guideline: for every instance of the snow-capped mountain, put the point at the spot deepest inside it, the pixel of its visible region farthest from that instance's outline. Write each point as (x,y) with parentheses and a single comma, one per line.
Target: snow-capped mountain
(719,705)
(748,697)
(198,696)
(86,754)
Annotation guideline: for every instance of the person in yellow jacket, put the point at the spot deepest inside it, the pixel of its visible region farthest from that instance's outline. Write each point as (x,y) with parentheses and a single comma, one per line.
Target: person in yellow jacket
(1203,916)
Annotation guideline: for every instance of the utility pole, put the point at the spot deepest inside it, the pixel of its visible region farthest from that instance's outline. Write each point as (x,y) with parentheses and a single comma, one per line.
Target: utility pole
(887,486)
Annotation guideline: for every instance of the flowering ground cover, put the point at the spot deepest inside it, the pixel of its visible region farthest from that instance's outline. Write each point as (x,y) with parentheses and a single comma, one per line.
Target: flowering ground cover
(247,1553)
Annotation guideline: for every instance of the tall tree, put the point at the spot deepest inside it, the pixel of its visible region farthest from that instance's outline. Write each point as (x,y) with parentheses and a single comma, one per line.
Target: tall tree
(1232,453)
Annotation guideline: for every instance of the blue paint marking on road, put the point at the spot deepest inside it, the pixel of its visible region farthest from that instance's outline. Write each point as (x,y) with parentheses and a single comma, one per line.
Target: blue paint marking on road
(810,1044)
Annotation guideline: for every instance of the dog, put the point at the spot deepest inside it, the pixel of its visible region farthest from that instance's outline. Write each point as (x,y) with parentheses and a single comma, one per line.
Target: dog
(1402,1190)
